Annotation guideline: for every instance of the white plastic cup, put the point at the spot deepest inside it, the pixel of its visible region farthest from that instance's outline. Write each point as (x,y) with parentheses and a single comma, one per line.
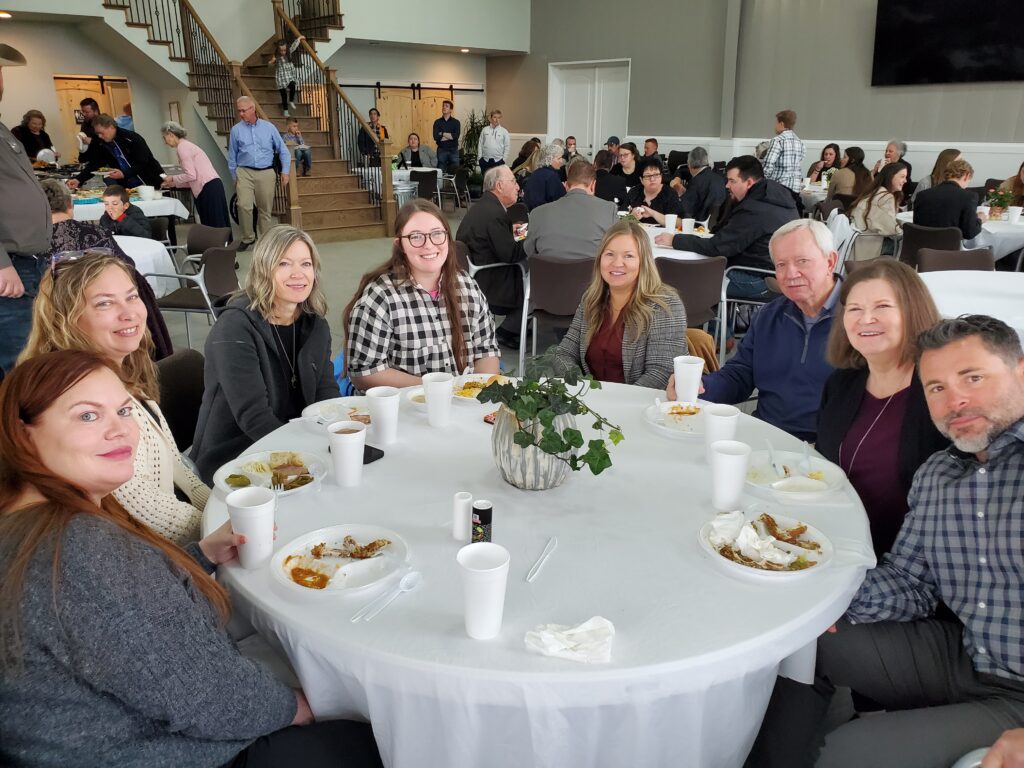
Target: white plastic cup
(462,516)
(720,423)
(484,569)
(347,439)
(146,192)
(688,226)
(983,209)
(729,460)
(670,222)
(384,402)
(688,370)
(807,181)
(251,511)
(438,389)
(1013,213)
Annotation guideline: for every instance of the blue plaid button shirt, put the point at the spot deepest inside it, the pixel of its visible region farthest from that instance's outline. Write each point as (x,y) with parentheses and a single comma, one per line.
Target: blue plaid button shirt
(962,542)
(783,160)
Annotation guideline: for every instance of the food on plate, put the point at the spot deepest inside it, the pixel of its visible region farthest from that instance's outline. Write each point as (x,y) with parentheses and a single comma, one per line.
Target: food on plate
(317,566)
(359,414)
(307,577)
(419,397)
(754,544)
(238,481)
(799,564)
(755,476)
(472,387)
(788,535)
(350,548)
(490,418)
(683,409)
(699,229)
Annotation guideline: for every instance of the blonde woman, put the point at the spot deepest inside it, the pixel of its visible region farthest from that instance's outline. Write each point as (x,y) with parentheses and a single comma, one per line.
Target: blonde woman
(268,355)
(629,324)
(93,304)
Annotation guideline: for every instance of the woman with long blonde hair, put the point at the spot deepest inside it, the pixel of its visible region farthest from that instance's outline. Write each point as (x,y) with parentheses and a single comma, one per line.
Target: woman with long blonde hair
(119,625)
(93,303)
(629,324)
(268,355)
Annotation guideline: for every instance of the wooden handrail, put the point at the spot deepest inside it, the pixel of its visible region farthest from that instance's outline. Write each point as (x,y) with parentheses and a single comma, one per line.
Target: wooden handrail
(205,31)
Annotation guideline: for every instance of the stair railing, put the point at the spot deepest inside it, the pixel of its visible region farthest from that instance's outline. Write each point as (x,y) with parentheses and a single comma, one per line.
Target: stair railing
(315,18)
(351,137)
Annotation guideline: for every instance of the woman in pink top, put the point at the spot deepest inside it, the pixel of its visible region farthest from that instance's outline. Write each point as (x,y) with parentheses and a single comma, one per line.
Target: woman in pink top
(199,175)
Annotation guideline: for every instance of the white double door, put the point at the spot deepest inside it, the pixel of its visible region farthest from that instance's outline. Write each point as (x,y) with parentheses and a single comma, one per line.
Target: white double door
(588,100)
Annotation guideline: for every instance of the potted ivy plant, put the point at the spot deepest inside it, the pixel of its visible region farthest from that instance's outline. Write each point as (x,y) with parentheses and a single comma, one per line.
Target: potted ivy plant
(535,440)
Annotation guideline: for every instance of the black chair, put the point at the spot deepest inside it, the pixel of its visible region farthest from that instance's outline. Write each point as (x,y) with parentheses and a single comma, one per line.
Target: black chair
(426,183)
(993,183)
(200,238)
(824,209)
(846,200)
(675,159)
(553,293)
(980,192)
(977,259)
(699,284)
(181,393)
(916,237)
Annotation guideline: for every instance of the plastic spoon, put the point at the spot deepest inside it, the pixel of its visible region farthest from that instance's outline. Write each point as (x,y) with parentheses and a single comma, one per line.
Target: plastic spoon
(408,583)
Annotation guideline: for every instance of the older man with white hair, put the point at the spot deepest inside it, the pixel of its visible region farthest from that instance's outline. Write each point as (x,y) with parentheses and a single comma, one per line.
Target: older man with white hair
(783,354)
(251,149)
(545,185)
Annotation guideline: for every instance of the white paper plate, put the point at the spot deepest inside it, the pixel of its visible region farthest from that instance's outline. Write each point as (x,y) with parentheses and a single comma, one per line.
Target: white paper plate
(688,428)
(316,464)
(822,557)
(363,575)
(417,399)
(760,477)
(460,382)
(339,409)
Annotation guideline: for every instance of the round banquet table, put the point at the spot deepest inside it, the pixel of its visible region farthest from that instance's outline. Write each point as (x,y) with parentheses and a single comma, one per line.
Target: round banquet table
(163,206)
(667,251)
(150,256)
(696,649)
(997,294)
(812,195)
(1002,237)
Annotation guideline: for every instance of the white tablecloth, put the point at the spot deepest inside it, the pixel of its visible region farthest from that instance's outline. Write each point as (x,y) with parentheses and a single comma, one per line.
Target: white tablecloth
(998,294)
(1003,237)
(667,251)
(397,176)
(695,653)
(164,206)
(150,256)
(811,196)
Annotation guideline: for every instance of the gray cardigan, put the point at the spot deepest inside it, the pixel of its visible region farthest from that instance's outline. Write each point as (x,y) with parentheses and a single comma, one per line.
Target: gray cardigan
(128,666)
(647,361)
(427,156)
(247,382)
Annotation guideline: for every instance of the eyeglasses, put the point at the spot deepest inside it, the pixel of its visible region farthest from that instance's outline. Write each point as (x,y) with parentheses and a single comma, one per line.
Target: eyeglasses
(651,176)
(419,239)
(62,258)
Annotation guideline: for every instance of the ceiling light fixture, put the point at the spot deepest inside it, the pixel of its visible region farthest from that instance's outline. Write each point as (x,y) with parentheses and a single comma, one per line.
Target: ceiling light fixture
(463,50)
(5,14)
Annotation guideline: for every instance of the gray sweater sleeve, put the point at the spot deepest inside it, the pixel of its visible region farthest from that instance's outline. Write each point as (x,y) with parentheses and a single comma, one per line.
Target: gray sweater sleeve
(138,630)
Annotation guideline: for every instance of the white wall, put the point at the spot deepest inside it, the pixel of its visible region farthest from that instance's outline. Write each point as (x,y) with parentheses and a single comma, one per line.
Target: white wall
(238,26)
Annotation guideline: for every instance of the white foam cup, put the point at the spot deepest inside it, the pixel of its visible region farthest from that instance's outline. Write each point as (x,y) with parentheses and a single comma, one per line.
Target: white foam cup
(720,423)
(484,570)
(688,226)
(251,511)
(729,460)
(688,370)
(383,403)
(670,222)
(347,439)
(438,389)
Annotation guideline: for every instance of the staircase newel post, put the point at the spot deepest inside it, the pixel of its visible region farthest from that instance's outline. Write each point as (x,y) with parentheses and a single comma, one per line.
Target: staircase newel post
(235,67)
(278,15)
(332,112)
(387,192)
(294,209)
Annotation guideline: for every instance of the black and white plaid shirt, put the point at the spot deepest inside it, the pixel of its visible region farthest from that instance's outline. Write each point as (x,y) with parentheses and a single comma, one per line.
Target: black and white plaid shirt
(963,542)
(395,324)
(784,159)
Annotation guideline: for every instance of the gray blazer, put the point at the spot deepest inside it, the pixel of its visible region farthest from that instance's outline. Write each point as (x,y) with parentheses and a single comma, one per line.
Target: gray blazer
(570,228)
(647,361)
(427,156)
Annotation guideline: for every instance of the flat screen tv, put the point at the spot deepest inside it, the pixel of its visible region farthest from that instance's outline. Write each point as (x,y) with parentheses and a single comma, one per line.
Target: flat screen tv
(948,41)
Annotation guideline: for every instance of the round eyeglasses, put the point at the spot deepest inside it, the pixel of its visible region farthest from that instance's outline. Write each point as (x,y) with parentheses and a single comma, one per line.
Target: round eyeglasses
(419,239)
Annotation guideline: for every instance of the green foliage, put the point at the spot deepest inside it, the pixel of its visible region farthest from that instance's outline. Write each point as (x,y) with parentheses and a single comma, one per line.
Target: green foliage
(472,125)
(534,401)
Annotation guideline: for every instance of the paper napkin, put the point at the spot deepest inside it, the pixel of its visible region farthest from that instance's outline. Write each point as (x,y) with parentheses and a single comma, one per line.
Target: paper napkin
(589,642)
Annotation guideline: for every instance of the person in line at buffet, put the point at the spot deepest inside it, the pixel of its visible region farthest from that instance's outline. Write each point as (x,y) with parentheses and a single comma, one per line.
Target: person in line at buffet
(268,355)
(629,325)
(93,303)
(418,312)
(32,134)
(122,627)
(874,421)
(198,175)
(120,217)
(782,356)
(126,152)
(946,685)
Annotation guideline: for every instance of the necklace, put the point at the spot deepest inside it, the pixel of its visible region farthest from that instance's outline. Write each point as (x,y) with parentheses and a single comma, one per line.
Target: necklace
(291,365)
(864,437)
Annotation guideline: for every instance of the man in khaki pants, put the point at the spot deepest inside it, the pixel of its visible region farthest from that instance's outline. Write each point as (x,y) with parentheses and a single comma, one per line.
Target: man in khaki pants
(251,149)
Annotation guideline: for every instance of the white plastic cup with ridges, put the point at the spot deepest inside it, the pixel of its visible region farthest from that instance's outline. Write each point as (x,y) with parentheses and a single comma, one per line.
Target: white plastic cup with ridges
(484,569)
(251,511)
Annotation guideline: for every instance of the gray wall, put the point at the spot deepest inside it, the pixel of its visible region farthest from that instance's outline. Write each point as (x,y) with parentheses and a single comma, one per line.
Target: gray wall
(815,57)
(675,76)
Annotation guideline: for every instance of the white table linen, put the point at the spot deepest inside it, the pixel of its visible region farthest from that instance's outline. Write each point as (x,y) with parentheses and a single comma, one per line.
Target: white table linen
(667,251)
(1002,237)
(997,294)
(812,195)
(696,650)
(150,256)
(164,206)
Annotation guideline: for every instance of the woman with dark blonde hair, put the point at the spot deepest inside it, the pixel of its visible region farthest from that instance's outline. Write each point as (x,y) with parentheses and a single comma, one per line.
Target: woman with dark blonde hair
(1015,184)
(874,421)
(119,625)
(874,212)
(268,355)
(418,312)
(829,161)
(852,178)
(629,325)
(936,177)
(93,303)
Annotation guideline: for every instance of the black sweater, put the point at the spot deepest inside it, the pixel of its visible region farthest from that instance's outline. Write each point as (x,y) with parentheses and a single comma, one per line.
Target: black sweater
(948,205)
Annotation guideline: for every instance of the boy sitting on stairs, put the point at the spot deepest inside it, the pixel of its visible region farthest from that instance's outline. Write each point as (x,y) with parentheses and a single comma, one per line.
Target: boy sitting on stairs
(293,138)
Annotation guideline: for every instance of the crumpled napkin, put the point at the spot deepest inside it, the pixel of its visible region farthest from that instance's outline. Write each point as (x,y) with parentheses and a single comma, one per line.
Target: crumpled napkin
(590,642)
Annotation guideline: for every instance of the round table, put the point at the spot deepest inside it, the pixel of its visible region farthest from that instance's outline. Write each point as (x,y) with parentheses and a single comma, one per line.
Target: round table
(812,195)
(667,251)
(1002,237)
(998,294)
(163,206)
(696,649)
(150,256)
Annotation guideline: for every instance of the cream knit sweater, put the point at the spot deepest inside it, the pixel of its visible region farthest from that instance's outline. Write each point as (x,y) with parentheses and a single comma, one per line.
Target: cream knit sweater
(149,495)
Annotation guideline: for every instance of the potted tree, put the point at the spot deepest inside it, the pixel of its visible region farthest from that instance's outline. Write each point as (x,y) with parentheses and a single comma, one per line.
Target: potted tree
(535,440)
(471,129)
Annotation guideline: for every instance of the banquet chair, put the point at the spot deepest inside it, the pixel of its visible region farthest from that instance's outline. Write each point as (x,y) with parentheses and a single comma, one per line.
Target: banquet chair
(181,393)
(823,210)
(916,237)
(553,290)
(455,185)
(846,200)
(215,279)
(199,238)
(462,257)
(933,260)
(426,183)
(699,284)
(159,226)
(675,159)
(730,304)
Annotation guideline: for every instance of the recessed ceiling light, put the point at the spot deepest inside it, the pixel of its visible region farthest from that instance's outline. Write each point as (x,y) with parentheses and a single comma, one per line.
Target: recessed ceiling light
(463,50)
(5,14)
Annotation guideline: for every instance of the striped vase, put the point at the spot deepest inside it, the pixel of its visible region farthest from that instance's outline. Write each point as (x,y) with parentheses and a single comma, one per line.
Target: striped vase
(528,468)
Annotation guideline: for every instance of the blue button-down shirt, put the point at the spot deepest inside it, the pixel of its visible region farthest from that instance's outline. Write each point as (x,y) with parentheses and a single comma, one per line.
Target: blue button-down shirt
(962,542)
(254,146)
